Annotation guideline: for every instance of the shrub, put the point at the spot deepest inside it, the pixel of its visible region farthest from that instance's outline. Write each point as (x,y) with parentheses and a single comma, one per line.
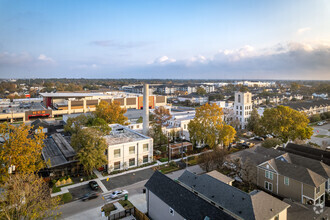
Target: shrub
(163,159)
(271,142)
(66,197)
(315,118)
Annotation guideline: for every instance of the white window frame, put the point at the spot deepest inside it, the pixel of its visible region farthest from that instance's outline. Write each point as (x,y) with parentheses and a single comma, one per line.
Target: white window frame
(147,147)
(129,150)
(116,155)
(267,184)
(269,175)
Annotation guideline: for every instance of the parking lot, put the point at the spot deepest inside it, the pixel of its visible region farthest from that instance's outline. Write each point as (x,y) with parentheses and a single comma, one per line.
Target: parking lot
(127,179)
(321,134)
(79,191)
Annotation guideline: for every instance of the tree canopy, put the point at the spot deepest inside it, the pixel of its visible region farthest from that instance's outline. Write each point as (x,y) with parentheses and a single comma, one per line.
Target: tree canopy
(286,124)
(27,196)
(112,113)
(21,149)
(208,127)
(201,91)
(254,122)
(90,147)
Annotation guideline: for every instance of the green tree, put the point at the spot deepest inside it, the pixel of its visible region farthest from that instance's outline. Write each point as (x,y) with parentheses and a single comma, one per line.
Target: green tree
(294,87)
(244,89)
(112,113)
(21,149)
(315,118)
(208,127)
(271,142)
(90,147)
(286,124)
(140,120)
(27,196)
(161,117)
(254,123)
(201,91)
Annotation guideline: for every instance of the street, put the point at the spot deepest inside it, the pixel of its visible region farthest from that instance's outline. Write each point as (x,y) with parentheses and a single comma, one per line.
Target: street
(134,184)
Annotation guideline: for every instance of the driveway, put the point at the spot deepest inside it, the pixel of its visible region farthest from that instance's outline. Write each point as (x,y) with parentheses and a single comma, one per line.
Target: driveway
(321,134)
(127,179)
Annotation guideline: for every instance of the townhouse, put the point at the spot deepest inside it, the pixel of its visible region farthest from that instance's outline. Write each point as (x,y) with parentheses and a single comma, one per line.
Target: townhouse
(288,175)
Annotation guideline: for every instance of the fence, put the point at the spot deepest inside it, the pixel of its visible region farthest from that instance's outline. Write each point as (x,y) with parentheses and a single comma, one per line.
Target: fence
(139,215)
(121,214)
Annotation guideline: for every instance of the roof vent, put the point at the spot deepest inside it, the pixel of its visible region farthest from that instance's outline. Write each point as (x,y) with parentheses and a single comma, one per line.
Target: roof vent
(240,212)
(271,209)
(243,198)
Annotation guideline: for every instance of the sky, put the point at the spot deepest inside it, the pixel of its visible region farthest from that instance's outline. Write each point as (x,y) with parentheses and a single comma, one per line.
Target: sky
(246,39)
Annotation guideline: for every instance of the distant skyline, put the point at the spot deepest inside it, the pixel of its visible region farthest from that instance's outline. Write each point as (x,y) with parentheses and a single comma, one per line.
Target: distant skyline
(281,39)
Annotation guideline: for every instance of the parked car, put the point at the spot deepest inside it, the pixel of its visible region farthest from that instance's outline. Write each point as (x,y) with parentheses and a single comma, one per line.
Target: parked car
(93,185)
(89,196)
(259,138)
(118,194)
(321,123)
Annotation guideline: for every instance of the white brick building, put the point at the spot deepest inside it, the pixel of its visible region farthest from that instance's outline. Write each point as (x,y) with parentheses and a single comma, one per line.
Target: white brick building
(127,148)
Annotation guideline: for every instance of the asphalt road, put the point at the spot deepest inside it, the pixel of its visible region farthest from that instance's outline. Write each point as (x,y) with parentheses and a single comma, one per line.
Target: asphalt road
(127,179)
(79,191)
(321,130)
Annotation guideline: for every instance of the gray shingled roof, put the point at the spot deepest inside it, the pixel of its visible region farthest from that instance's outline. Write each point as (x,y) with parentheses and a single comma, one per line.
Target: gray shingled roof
(256,205)
(297,172)
(182,200)
(228,197)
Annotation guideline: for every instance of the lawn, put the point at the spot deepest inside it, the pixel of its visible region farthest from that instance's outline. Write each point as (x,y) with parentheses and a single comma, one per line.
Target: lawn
(169,168)
(126,204)
(66,197)
(321,136)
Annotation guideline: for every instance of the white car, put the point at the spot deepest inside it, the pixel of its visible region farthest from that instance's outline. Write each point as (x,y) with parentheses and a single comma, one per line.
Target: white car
(118,194)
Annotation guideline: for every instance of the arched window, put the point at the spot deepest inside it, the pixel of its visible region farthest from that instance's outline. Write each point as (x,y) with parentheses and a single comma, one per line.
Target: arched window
(239,98)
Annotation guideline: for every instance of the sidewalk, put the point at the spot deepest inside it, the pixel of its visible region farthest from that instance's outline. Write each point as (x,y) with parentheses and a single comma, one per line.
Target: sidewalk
(99,178)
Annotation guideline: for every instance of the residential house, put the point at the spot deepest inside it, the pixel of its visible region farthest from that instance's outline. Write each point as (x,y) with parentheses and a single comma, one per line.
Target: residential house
(241,205)
(311,107)
(194,99)
(287,175)
(127,148)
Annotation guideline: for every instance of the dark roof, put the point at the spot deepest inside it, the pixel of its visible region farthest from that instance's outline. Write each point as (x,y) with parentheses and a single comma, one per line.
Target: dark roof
(308,104)
(228,197)
(241,204)
(297,172)
(310,152)
(182,200)
(57,150)
(314,165)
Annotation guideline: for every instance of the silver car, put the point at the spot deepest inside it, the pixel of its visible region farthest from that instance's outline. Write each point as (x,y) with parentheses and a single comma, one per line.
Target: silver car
(118,194)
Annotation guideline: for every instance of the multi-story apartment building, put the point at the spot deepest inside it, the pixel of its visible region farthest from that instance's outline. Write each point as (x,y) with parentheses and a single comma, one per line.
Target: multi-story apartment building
(243,107)
(127,148)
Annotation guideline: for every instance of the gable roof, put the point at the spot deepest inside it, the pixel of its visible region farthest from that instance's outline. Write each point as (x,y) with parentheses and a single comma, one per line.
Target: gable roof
(182,200)
(299,173)
(240,203)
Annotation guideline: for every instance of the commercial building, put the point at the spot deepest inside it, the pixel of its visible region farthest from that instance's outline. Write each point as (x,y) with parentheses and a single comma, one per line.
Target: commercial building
(127,148)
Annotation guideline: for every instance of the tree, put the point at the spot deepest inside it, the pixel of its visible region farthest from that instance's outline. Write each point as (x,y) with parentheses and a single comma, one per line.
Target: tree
(90,147)
(254,122)
(243,89)
(201,91)
(112,113)
(294,87)
(162,116)
(75,124)
(27,196)
(286,124)
(21,149)
(213,160)
(315,118)
(271,142)
(140,120)
(208,127)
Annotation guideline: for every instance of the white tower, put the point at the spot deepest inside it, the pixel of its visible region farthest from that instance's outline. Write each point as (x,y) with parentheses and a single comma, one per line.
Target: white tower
(243,107)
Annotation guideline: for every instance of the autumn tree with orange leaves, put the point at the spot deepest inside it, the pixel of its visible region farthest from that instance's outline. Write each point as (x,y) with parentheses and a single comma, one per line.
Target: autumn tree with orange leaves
(112,113)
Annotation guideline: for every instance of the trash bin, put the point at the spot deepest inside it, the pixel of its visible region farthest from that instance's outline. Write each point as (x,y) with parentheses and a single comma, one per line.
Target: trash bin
(126,196)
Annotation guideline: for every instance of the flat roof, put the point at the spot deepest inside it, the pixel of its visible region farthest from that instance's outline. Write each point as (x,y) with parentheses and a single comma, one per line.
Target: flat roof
(69,95)
(120,134)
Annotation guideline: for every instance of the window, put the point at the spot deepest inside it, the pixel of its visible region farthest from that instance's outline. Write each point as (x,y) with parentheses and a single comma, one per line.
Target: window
(277,217)
(171,211)
(145,147)
(116,153)
(137,126)
(132,162)
(185,126)
(239,98)
(269,175)
(145,159)
(268,186)
(286,180)
(132,150)
(116,165)
(240,107)
(317,189)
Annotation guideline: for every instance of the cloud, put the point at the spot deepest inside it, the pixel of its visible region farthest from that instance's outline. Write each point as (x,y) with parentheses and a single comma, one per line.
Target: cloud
(164,60)
(118,45)
(44,58)
(87,66)
(303,30)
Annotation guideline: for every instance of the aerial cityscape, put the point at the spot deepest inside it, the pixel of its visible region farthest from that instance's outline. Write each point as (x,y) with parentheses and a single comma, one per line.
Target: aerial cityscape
(164,110)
